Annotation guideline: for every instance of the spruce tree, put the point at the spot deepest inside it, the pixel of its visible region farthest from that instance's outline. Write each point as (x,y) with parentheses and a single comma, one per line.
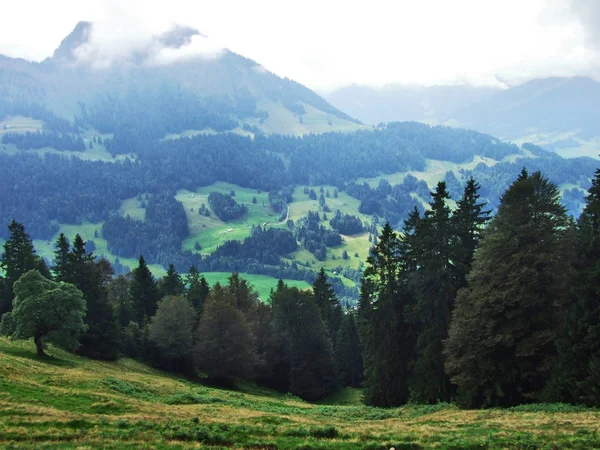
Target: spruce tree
(17,259)
(436,282)
(469,220)
(348,353)
(306,350)
(143,292)
(331,310)
(501,343)
(80,268)
(171,284)
(576,375)
(386,335)
(225,346)
(197,289)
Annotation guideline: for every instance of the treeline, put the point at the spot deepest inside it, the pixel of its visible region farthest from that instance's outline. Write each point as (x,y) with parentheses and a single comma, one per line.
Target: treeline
(42,139)
(314,237)
(393,203)
(346,223)
(300,342)
(159,235)
(225,206)
(484,316)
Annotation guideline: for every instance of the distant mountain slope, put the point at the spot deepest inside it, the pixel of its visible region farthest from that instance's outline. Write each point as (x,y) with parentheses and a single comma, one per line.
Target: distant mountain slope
(549,105)
(560,114)
(228,84)
(399,102)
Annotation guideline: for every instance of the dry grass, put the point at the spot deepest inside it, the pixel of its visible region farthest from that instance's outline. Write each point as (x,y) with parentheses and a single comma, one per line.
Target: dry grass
(69,402)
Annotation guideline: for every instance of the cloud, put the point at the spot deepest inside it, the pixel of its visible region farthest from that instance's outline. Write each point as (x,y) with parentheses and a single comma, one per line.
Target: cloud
(124,37)
(588,14)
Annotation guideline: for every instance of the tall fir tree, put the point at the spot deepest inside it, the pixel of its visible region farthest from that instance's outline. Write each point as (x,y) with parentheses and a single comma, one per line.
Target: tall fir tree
(197,289)
(306,350)
(171,284)
(436,282)
(468,220)
(331,310)
(18,258)
(501,344)
(387,337)
(80,268)
(143,293)
(576,375)
(348,352)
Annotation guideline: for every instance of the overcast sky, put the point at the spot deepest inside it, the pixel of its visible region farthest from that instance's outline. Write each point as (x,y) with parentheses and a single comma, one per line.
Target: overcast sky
(327,43)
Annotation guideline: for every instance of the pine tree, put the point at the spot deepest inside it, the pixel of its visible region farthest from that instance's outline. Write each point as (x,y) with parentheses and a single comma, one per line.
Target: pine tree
(245,298)
(17,259)
(387,337)
(501,343)
(348,353)
(143,292)
(576,376)
(331,310)
(171,284)
(436,282)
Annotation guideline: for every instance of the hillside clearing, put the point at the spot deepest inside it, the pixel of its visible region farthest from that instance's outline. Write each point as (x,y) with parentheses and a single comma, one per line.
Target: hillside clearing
(64,401)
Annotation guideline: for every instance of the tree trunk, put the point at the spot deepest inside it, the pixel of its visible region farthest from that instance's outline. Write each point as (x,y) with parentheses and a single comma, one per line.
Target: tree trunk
(39,345)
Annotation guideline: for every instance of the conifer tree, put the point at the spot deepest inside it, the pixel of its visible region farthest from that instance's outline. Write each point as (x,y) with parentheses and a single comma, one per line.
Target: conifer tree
(436,282)
(387,337)
(143,292)
(197,289)
(245,298)
(306,349)
(348,353)
(576,375)
(468,220)
(331,310)
(80,268)
(501,343)
(171,284)
(17,259)
(225,346)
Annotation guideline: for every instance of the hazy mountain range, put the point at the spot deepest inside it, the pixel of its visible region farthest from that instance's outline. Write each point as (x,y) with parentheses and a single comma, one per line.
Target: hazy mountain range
(558,113)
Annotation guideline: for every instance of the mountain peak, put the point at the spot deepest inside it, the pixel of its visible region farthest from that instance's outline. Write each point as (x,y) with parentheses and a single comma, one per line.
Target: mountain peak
(80,35)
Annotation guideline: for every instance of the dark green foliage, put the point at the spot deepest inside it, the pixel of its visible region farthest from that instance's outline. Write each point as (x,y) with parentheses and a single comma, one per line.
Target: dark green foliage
(305,355)
(17,259)
(171,331)
(91,277)
(7,324)
(171,284)
(225,345)
(314,237)
(225,207)
(47,311)
(501,344)
(143,292)
(158,237)
(197,289)
(346,223)
(435,281)
(386,335)
(348,352)
(576,375)
(331,310)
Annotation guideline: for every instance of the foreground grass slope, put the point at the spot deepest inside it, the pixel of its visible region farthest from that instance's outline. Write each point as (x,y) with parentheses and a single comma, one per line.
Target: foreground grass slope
(69,402)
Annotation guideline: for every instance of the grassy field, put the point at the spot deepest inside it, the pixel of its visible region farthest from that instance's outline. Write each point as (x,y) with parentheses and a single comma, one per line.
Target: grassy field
(262,284)
(67,402)
(88,231)
(210,232)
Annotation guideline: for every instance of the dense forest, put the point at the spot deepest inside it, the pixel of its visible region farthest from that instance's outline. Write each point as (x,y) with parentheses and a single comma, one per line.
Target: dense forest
(463,306)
